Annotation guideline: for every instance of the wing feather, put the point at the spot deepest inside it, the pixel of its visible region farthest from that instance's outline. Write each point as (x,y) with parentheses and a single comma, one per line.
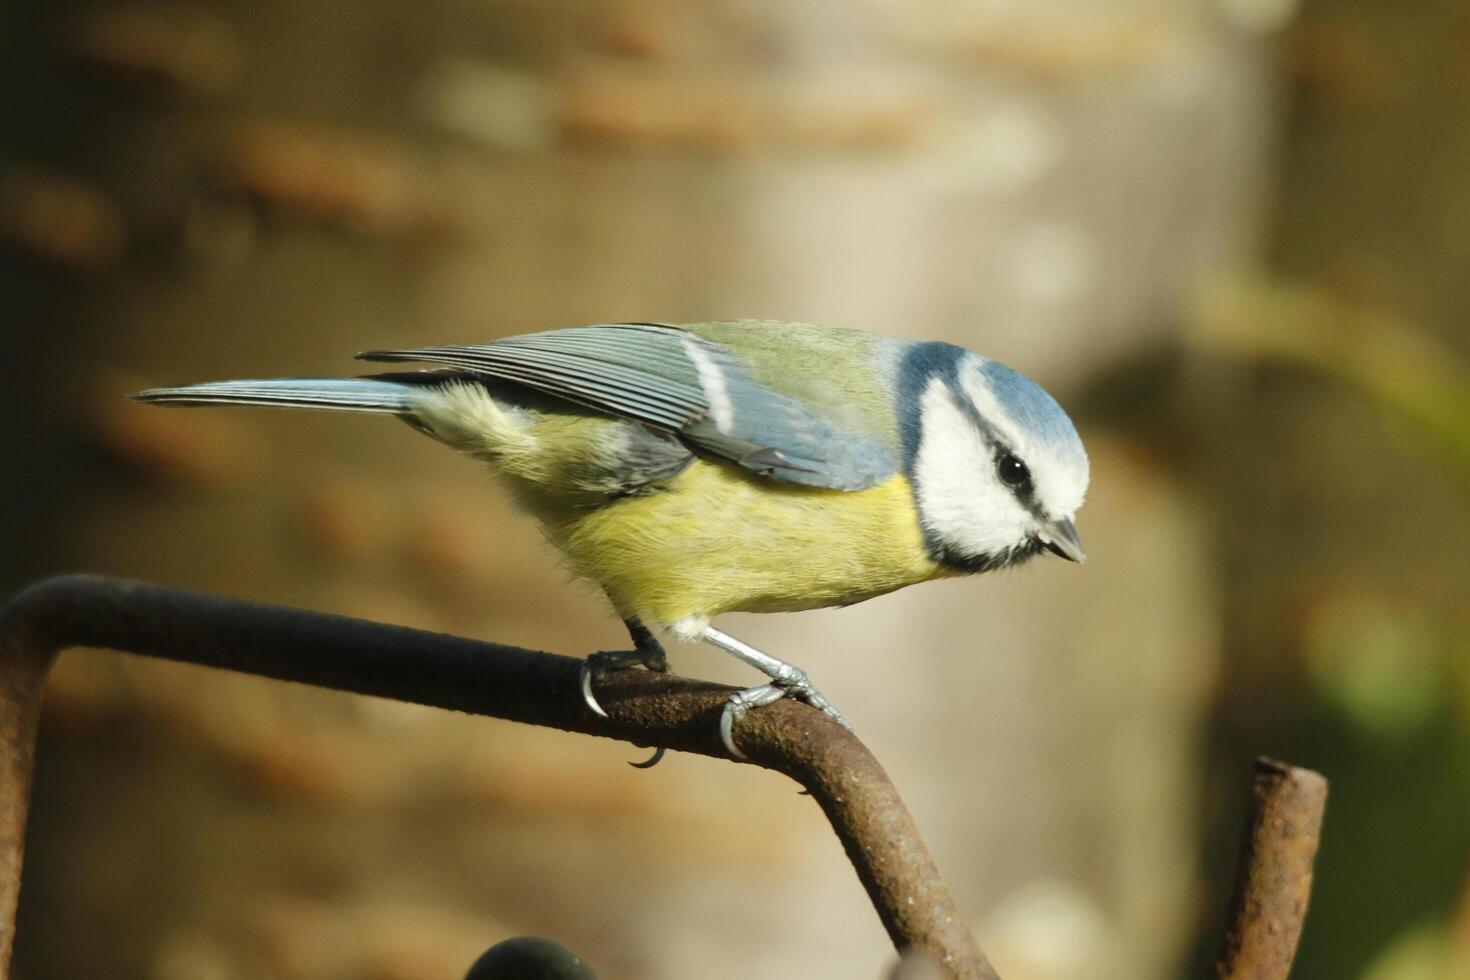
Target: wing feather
(671,379)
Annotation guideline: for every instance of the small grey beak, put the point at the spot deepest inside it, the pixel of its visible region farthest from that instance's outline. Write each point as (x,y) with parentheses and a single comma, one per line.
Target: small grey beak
(1060,538)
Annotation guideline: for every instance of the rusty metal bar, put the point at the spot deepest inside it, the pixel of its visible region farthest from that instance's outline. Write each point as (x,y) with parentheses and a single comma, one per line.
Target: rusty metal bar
(859,800)
(1274,879)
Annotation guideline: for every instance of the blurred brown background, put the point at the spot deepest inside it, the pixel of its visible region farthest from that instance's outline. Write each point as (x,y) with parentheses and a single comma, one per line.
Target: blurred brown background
(1231,235)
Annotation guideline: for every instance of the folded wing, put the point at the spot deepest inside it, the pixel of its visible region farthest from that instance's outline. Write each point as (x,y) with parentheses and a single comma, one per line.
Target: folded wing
(670,379)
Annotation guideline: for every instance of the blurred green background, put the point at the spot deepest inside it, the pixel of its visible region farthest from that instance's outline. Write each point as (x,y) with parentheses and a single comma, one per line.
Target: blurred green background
(1232,236)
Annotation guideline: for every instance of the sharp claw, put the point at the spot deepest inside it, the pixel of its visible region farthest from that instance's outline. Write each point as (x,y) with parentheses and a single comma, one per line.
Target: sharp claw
(586,683)
(651,761)
(727,734)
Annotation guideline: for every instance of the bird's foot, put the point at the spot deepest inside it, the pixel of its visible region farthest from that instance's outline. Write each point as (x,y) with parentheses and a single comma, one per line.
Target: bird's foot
(792,682)
(604,662)
(647,653)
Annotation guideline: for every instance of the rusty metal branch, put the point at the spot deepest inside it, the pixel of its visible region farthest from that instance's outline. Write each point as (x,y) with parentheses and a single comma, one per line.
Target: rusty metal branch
(851,787)
(1274,879)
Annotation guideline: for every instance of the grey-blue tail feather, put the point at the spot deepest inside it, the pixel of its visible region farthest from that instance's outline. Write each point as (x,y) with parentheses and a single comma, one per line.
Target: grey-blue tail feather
(330,394)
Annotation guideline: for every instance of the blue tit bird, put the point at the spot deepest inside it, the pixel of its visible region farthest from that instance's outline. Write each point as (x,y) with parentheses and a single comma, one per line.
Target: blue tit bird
(750,465)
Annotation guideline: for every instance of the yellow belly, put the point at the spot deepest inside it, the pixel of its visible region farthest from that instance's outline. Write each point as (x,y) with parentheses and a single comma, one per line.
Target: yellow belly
(719,540)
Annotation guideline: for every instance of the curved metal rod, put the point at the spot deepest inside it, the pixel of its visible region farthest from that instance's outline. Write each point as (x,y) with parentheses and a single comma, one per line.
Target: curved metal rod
(647,708)
(1273,881)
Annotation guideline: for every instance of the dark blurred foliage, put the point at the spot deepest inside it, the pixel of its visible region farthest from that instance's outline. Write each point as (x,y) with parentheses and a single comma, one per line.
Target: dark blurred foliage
(1338,457)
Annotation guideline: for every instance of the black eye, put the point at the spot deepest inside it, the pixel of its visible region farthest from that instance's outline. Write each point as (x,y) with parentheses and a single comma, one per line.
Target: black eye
(1013,473)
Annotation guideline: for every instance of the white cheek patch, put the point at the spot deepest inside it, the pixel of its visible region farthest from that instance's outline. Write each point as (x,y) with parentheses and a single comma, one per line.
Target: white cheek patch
(712,380)
(960,500)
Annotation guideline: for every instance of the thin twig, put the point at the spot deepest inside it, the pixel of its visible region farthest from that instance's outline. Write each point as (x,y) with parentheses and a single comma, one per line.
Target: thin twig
(1274,880)
(646,708)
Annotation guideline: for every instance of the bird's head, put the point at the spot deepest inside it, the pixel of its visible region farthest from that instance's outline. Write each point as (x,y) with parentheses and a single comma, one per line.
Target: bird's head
(997,467)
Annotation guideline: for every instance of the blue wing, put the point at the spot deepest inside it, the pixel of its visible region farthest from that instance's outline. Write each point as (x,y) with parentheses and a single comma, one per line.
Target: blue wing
(671,379)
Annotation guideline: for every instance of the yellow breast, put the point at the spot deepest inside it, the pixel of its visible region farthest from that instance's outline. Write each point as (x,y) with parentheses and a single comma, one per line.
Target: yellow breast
(720,540)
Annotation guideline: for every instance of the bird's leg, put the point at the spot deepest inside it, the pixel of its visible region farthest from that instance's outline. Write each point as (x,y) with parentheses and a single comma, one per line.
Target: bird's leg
(645,644)
(786,679)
